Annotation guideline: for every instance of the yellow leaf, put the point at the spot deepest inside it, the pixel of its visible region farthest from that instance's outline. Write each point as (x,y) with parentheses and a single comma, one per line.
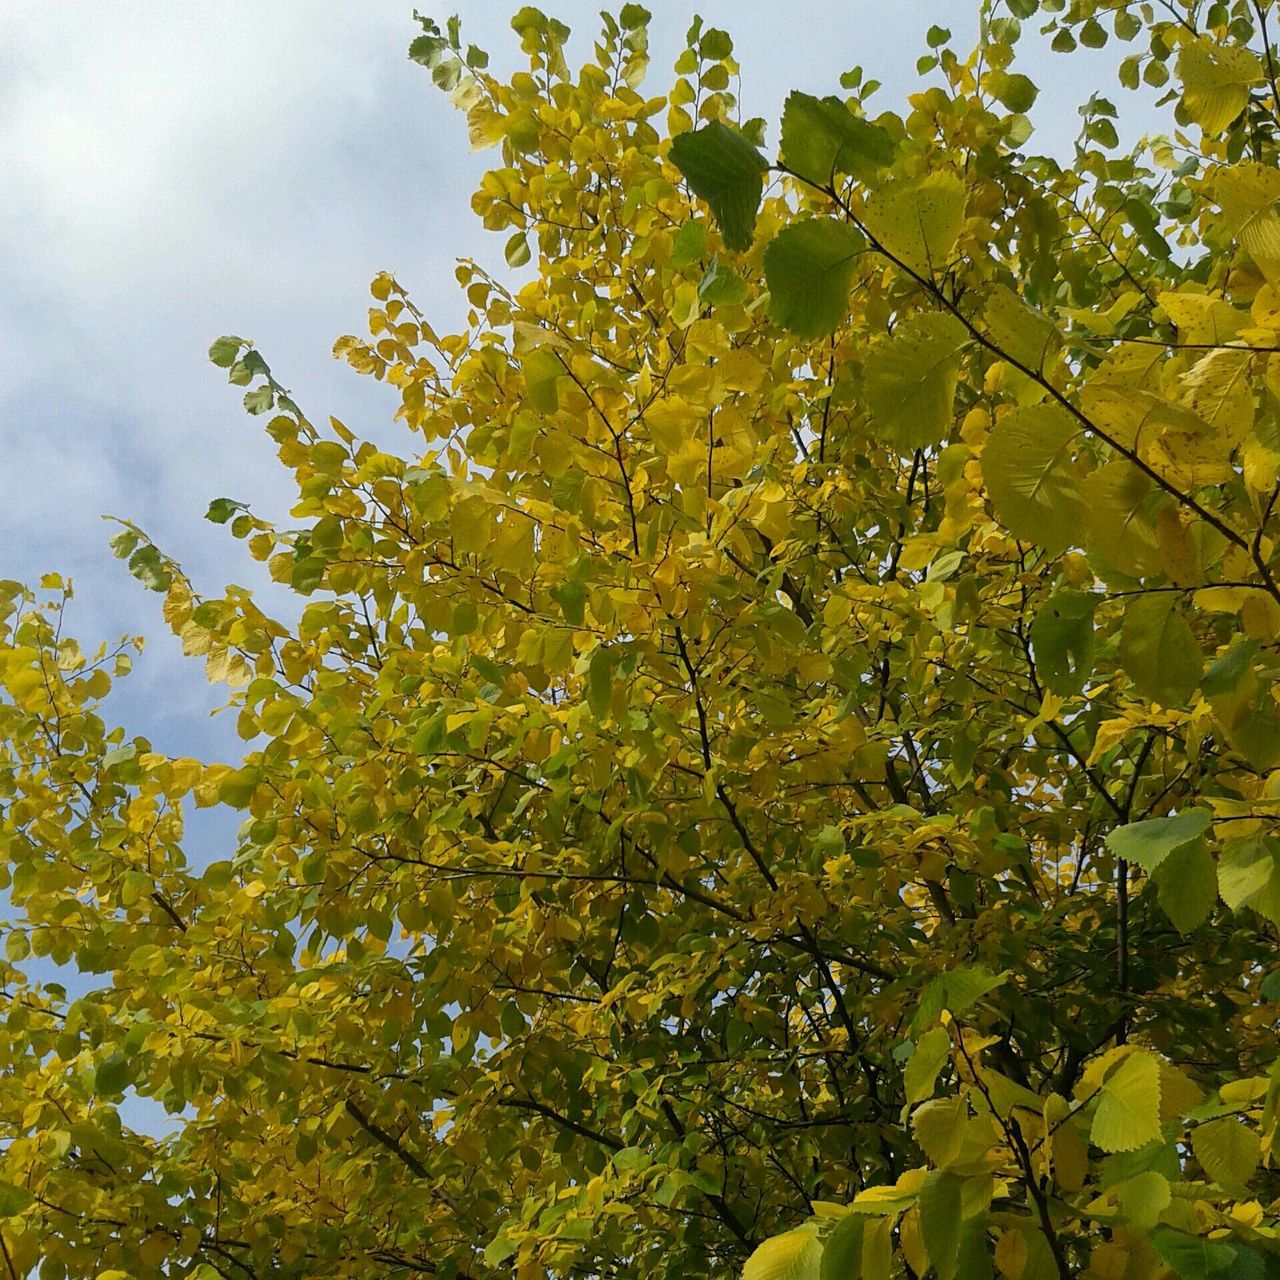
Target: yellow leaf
(1216,78)
(796,1255)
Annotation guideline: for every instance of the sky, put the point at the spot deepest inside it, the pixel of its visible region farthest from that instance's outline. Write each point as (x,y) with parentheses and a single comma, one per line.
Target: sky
(177,172)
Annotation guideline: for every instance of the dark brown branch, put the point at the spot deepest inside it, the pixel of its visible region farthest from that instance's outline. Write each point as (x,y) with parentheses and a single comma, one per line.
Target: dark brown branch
(392,1144)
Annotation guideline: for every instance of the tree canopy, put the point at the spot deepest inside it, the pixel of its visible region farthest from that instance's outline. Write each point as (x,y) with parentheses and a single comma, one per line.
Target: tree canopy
(780,773)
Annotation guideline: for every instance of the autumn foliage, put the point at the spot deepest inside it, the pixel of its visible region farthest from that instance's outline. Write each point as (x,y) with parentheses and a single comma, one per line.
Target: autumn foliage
(782,770)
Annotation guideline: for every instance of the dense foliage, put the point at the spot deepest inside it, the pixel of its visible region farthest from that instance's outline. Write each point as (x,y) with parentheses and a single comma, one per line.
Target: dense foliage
(783,773)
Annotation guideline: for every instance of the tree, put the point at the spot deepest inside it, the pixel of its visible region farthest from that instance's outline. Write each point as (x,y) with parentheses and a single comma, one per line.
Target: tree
(784,774)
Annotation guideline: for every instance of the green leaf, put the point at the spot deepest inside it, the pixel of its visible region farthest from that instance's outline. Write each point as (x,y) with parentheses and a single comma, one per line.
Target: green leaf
(973,1258)
(956,991)
(466,618)
(223,351)
(572,599)
(1015,92)
(1093,35)
(600,684)
(113,1075)
(1118,499)
(927,1058)
(1144,1198)
(119,755)
(1224,673)
(1228,1151)
(822,137)
(911,378)
(690,243)
(148,566)
(1062,641)
(1128,1114)
(1188,885)
(842,1254)
(13,1200)
(1249,875)
(516,250)
(809,267)
(222,509)
(918,220)
(259,400)
(1216,78)
(1148,843)
(941,1209)
(1190,1257)
(726,171)
(722,286)
(1159,651)
(1026,464)
(499,1249)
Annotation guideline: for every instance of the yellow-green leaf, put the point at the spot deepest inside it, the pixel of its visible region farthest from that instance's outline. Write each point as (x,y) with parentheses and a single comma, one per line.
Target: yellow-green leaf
(918,220)
(1128,1112)
(1027,467)
(911,380)
(1187,882)
(796,1255)
(1227,1149)
(1159,651)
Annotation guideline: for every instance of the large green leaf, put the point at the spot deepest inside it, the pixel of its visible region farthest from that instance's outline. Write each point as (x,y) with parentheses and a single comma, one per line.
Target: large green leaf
(1159,651)
(809,267)
(956,991)
(973,1259)
(822,137)
(726,171)
(1015,92)
(842,1253)
(1148,843)
(1027,466)
(930,1052)
(1190,1257)
(941,1216)
(1118,499)
(113,1075)
(918,220)
(911,379)
(1187,882)
(1062,641)
(543,370)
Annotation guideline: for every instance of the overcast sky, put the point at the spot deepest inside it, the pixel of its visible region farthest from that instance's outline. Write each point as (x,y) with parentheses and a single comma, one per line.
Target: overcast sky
(175,172)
